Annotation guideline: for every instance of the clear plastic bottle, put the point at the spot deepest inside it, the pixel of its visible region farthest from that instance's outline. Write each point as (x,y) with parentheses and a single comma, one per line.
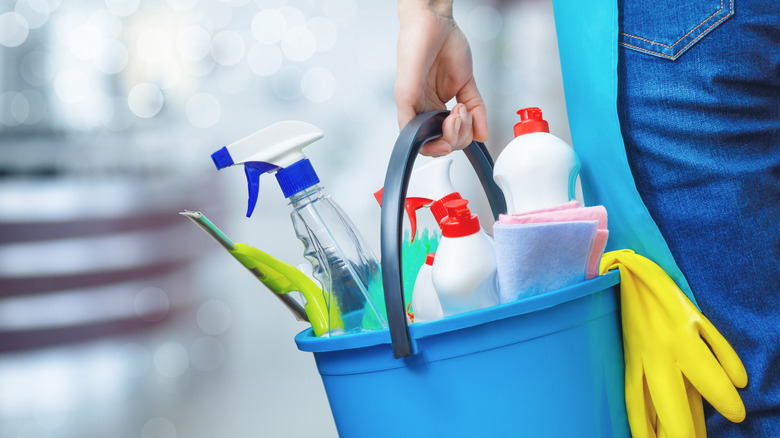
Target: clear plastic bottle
(341,260)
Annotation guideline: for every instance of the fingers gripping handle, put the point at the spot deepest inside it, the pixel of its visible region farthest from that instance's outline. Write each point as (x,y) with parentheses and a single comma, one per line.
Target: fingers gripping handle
(480,160)
(417,132)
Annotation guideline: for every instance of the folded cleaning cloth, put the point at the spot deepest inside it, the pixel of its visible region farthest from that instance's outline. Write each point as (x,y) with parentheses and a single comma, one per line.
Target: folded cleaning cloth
(570,211)
(566,206)
(535,258)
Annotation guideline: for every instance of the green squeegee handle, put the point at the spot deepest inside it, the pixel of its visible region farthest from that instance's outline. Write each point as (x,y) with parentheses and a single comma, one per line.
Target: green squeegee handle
(418,131)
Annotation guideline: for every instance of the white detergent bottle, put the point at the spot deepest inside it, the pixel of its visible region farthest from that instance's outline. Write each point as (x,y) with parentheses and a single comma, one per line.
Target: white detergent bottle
(536,170)
(341,261)
(464,271)
(425,300)
(429,186)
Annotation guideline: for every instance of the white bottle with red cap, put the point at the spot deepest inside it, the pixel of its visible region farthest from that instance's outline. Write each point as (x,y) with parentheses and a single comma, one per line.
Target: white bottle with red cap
(464,271)
(425,300)
(536,170)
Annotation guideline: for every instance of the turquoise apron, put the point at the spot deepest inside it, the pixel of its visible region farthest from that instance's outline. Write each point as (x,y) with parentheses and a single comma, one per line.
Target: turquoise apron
(588,45)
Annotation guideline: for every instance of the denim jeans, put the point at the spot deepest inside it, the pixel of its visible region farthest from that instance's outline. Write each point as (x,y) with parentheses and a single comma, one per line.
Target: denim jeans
(699,109)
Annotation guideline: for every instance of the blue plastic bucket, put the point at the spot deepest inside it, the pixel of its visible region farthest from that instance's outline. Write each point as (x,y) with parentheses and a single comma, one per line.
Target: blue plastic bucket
(546,366)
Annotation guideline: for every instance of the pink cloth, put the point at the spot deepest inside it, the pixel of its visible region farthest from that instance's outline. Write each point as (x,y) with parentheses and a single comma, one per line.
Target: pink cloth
(570,211)
(566,206)
(599,244)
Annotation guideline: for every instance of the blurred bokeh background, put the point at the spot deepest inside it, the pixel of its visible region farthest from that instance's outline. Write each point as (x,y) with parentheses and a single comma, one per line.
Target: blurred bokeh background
(118,317)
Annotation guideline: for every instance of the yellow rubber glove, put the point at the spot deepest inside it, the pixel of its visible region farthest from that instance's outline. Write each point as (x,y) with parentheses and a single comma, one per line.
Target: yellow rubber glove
(668,362)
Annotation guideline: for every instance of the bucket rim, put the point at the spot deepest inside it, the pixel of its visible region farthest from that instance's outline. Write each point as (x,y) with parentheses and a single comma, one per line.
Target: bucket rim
(306,341)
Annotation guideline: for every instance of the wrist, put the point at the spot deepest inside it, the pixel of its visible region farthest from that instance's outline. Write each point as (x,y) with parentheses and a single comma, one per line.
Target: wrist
(408,8)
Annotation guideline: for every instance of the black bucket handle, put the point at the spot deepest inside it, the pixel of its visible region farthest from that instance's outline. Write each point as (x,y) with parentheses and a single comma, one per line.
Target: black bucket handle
(418,131)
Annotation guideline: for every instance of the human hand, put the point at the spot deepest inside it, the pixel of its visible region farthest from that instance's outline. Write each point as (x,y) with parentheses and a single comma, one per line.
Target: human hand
(433,66)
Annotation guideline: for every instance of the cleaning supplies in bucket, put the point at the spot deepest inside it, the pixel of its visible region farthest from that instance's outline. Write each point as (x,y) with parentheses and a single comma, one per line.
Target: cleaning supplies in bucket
(464,271)
(546,241)
(474,368)
(341,260)
(536,170)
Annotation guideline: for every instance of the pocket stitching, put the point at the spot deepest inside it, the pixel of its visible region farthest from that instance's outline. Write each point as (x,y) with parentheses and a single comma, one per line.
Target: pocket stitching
(683,37)
(674,55)
(640,49)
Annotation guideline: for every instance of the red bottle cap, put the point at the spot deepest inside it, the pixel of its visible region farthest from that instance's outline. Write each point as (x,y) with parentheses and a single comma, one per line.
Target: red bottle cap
(459,221)
(438,209)
(531,121)
(429,258)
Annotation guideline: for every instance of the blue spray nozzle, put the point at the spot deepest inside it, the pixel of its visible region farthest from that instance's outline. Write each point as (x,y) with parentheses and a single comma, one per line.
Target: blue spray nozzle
(297,177)
(254,170)
(222,158)
(276,148)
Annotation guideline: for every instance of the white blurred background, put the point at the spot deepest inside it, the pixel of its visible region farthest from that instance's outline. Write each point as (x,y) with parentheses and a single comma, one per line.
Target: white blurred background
(118,317)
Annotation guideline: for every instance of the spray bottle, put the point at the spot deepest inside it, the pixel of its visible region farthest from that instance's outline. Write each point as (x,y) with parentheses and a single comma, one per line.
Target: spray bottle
(464,271)
(429,186)
(536,170)
(341,261)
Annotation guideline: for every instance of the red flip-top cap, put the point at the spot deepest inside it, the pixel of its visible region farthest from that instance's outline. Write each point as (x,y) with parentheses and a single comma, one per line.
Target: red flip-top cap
(439,210)
(429,258)
(459,221)
(531,121)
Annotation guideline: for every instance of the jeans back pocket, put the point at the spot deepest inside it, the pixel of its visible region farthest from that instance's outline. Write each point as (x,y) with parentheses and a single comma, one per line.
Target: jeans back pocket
(668,28)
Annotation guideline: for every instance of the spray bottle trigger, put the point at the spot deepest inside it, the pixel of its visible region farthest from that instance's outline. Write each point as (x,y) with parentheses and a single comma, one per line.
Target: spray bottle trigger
(412,205)
(253,170)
